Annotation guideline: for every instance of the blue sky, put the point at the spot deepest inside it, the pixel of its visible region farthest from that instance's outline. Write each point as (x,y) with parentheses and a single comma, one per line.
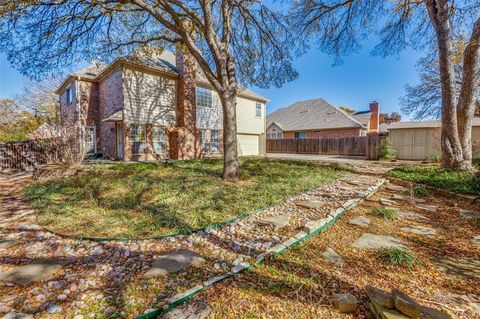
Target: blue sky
(361,79)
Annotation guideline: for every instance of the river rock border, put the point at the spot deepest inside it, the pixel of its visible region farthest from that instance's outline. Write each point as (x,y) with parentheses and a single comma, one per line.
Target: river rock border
(310,229)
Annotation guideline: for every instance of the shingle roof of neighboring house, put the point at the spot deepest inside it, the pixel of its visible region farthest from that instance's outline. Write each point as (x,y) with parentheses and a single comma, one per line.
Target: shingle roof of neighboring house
(91,71)
(363,117)
(314,114)
(423,124)
(165,62)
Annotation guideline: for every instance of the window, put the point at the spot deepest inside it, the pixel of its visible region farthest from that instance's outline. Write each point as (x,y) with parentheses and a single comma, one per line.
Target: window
(90,140)
(159,140)
(204,97)
(204,140)
(279,136)
(138,139)
(69,94)
(258,110)
(214,141)
(299,134)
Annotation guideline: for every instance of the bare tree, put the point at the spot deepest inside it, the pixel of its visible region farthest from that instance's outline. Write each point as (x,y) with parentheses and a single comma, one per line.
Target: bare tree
(424,100)
(39,99)
(390,118)
(341,25)
(233,42)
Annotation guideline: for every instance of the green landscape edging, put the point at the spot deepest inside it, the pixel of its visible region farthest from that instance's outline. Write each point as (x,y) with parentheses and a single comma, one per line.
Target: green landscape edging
(160,312)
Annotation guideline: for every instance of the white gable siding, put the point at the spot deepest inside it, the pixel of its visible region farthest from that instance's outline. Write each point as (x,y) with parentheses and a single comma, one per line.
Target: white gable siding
(149,98)
(274,129)
(247,122)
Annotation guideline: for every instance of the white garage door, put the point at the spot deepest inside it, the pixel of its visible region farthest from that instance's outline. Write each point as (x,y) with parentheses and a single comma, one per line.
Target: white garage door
(248,144)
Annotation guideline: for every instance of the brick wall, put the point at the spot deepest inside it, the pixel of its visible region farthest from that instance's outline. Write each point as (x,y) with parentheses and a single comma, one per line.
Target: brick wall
(184,139)
(68,112)
(110,101)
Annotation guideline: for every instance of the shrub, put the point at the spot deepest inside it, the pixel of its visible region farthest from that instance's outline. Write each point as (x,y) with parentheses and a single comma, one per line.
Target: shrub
(384,212)
(387,152)
(433,158)
(397,256)
(420,192)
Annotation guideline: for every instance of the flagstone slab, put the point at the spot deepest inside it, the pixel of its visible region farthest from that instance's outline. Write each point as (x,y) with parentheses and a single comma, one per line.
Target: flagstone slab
(400,197)
(373,241)
(470,214)
(476,240)
(310,203)
(7,243)
(192,309)
(31,273)
(278,221)
(458,267)
(428,208)
(396,188)
(420,230)
(333,257)
(413,216)
(386,202)
(361,221)
(174,262)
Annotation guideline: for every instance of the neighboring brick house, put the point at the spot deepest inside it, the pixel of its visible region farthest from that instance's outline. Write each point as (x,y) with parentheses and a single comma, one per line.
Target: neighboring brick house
(142,108)
(317,118)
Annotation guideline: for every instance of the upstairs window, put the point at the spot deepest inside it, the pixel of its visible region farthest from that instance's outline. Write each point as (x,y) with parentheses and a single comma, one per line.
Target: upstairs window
(204,97)
(159,140)
(138,139)
(69,94)
(258,109)
(300,135)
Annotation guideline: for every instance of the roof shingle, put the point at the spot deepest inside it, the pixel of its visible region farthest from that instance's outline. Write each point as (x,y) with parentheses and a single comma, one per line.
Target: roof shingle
(313,114)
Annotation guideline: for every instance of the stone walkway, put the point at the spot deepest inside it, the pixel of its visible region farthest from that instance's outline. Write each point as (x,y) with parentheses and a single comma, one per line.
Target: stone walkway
(45,273)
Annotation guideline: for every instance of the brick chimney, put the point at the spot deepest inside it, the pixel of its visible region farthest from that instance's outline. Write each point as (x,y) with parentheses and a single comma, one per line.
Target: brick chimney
(184,139)
(374,117)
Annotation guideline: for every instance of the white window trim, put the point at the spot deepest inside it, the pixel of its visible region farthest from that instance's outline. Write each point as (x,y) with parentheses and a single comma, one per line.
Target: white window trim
(211,98)
(159,141)
(132,141)
(69,96)
(256,109)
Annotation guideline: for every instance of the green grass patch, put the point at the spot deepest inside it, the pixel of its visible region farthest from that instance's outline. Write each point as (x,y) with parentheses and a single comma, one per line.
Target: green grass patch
(385,212)
(435,176)
(155,199)
(397,257)
(420,192)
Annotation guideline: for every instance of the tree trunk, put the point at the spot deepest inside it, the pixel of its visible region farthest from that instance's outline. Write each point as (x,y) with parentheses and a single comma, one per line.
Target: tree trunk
(231,170)
(452,155)
(467,101)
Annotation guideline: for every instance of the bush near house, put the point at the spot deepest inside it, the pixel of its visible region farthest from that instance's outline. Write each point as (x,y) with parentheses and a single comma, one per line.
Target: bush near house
(435,176)
(387,152)
(154,199)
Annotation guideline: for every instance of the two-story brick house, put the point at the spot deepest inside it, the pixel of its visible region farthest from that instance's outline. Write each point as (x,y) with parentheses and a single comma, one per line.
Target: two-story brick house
(156,107)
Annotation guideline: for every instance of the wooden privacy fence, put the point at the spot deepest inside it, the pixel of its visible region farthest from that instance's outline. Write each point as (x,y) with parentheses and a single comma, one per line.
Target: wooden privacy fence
(25,155)
(367,146)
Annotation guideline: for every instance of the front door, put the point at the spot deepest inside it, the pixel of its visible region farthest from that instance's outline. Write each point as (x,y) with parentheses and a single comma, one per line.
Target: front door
(90,140)
(120,139)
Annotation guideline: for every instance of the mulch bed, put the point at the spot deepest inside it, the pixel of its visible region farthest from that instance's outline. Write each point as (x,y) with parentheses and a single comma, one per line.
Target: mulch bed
(299,284)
